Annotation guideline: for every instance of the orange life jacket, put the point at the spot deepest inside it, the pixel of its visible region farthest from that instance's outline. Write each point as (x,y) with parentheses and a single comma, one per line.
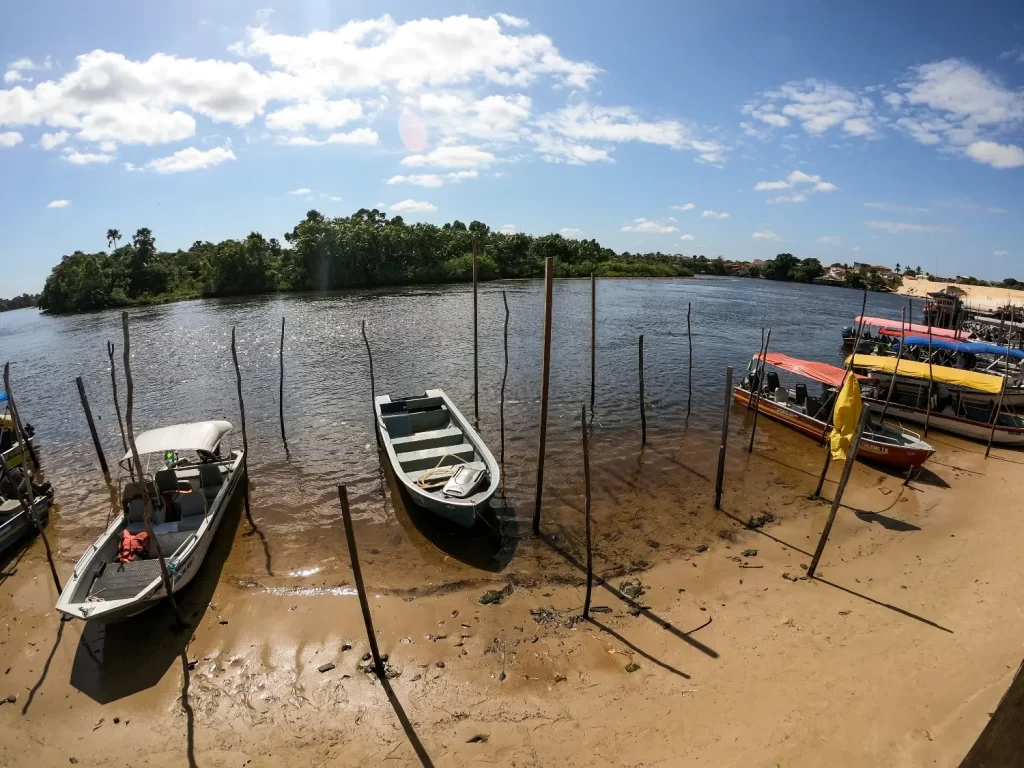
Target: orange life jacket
(133,546)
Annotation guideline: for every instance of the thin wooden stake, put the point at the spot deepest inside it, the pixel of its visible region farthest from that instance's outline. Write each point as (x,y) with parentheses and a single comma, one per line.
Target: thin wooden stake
(549,285)
(27,492)
(476,354)
(757,371)
(373,387)
(593,339)
(165,575)
(586,487)
(757,395)
(92,425)
(245,438)
(357,573)
(999,405)
(899,356)
(643,402)
(504,378)
(689,353)
(851,458)
(720,478)
(280,391)
(117,403)
(931,381)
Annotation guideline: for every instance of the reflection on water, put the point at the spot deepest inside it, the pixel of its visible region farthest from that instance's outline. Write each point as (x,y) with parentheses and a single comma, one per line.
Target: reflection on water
(421,338)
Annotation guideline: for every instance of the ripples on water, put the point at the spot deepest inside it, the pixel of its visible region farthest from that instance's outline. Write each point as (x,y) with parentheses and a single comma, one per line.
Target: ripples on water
(421,338)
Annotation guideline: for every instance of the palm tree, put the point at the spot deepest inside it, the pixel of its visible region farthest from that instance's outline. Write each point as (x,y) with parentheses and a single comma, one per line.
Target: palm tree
(113,235)
(897,267)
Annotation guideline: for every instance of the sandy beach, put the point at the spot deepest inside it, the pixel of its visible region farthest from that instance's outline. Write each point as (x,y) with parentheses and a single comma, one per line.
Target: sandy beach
(977,297)
(895,656)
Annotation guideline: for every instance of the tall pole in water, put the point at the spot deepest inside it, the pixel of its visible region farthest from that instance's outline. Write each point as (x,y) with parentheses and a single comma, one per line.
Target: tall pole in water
(549,282)
(476,355)
(593,339)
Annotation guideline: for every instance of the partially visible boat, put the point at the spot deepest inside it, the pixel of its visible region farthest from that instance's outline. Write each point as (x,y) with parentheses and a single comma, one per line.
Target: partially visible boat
(189,496)
(10,447)
(437,456)
(796,408)
(15,521)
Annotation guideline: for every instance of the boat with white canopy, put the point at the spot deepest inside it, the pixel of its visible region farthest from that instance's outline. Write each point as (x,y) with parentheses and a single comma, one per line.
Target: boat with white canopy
(119,574)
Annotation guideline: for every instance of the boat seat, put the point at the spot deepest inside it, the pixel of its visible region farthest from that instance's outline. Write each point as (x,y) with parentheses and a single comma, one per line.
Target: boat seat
(428,458)
(398,424)
(433,438)
(211,478)
(801,394)
(9,507)
(423,403)
(193,510)
(781,395)
(813,406)
(772,382)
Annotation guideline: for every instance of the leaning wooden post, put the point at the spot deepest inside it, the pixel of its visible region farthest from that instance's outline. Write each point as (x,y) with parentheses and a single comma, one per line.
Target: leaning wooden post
(549,283)
(245,439)
(586,488)
(92,425)
(476,354)
(593,339)
(999,404)
(720,479)
(504,378)
(896,370)
(931,381)
(643,401)
(165,574)
(280,391)
(346,517)
(117,403)
(689,351)
(757,395)
(27,492)
(851,458)
(756,371)
(373,386)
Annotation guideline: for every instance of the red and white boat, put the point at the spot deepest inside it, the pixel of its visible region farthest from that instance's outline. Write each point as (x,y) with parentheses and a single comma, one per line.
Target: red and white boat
(796,408)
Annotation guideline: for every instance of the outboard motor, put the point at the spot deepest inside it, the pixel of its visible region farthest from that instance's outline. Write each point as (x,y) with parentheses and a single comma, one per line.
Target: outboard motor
(849,332)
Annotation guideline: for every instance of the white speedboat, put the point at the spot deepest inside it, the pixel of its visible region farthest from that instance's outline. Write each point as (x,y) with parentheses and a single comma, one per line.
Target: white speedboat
(189,495)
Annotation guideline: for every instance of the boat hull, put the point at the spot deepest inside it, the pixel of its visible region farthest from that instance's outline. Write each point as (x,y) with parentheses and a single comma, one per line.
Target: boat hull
(21,525)
(897,457)
(1013,397)
(975,430)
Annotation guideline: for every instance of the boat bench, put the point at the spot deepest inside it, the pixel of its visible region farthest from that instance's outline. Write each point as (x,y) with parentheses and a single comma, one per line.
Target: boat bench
(443,456)
(434,438)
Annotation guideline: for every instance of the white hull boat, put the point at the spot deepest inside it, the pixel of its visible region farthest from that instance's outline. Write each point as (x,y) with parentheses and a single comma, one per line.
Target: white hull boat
(1009,429)
(438,458)
(189,498)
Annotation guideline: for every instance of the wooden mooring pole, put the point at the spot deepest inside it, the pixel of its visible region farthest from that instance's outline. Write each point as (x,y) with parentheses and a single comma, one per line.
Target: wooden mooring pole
(851,458)
(593,339)
(586,488)
(643,401)
(549,282)
(476,354)
(245,439)
(931,381)
(117,403)
(92,425)
(504,378)
(757,371)
(373,386)
(357,573)
(689,354)
(756,396)
(720,478)
(999,405)
(165,574)
(280,391)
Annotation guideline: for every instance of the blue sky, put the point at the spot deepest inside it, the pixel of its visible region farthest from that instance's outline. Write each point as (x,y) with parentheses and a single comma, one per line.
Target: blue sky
(873,132)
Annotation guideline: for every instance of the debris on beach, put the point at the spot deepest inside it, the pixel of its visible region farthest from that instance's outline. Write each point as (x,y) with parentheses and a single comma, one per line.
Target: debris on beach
(750,553)
(760,521)
(632,667)
(480,738)
(632,589)
(789,576)
(325,667)
(495,596)
(701,548)
(600,609)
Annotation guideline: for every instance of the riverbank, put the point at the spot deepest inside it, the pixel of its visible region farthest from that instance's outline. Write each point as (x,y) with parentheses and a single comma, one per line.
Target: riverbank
(975,296)
(893,657)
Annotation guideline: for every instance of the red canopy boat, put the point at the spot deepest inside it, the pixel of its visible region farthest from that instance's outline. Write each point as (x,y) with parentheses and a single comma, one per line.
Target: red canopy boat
(880,443)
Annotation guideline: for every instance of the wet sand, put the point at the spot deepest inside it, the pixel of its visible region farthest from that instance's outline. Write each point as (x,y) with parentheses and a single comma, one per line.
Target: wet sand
(894,656)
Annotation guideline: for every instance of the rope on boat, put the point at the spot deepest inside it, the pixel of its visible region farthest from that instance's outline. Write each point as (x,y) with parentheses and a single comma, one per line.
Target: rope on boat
(425,481)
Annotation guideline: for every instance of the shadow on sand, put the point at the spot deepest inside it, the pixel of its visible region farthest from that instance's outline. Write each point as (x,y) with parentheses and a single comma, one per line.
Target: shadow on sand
(117,660)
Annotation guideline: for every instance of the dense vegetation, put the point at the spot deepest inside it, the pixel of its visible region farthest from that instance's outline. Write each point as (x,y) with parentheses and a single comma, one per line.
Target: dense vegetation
(19,302)
(364,249)
(789,268)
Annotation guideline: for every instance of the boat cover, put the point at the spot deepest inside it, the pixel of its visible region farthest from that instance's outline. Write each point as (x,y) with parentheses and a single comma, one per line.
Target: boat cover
(882,322)
(200,436)
(970,347)
(823,372)
(982,382)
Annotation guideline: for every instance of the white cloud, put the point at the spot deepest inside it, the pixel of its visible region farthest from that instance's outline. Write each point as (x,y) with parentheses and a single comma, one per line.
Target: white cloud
(556,150)
(301,191)
(571,232)
(996,155)
(817,105)
(825,186)
(684,207)
(319,113)
(714,215)
(462,175)
(493,118)
(645,225)
(412,206)
(10,139)
(135,124)
(452,156)
(133,168)
(420,180)
(687,237)
(58,204)
(14,73)
(1000,253)
(766,186)
(509,229)
(191,159)
(896,227)
(14,76)
(897,207)
(767,235)
(856,249)
(512,21)
(333,198)
(829,240)
(968,206)
(795,198)
(87,158)
(358,136)
(894,100)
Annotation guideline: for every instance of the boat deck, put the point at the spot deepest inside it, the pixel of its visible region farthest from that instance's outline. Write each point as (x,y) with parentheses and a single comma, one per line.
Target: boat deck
(120,581)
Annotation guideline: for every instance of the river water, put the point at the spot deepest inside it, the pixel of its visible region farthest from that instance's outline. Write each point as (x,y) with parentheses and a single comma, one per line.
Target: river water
(421,338)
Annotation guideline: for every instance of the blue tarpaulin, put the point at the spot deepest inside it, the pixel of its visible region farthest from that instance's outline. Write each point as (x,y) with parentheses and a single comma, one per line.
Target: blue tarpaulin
(969,347)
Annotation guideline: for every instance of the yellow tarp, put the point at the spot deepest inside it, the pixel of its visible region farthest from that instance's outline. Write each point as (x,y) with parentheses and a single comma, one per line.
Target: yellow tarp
(982,382)
(845,419)
(6,422)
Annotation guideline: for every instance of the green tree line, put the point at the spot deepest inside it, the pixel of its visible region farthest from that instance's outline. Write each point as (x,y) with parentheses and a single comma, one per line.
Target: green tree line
(19,302)
(320,254)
